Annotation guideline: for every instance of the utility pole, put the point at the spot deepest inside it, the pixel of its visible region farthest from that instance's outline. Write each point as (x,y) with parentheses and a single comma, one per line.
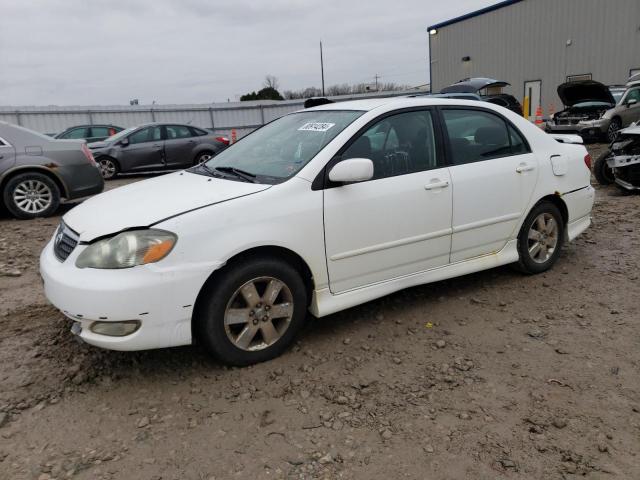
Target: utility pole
(322,68)
(376,77)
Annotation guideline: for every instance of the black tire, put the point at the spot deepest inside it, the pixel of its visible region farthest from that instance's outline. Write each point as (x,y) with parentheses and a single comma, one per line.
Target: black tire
(40,184)
(612,131)
(601,170)
(109,167)
(203,157)
(208,320)
(526,262)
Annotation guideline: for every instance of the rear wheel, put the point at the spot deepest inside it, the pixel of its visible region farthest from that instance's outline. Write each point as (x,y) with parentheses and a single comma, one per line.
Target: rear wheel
(31,195)
(251,312)
(612,131)
(203,157)
(601,170)
(108,167)
(540,238)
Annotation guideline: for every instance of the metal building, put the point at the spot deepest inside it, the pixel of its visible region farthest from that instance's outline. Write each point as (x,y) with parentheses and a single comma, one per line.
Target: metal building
(536,45)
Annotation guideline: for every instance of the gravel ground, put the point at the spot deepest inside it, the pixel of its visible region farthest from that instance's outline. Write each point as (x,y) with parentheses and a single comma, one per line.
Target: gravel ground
(492,375)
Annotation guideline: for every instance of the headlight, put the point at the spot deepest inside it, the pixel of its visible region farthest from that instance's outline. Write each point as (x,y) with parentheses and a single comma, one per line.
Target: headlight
(128,249)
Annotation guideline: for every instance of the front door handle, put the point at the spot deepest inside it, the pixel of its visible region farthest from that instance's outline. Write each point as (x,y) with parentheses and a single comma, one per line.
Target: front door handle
(435,184)
(524,167)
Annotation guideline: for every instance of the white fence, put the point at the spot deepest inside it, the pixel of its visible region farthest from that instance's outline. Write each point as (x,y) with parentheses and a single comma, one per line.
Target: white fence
(244,117)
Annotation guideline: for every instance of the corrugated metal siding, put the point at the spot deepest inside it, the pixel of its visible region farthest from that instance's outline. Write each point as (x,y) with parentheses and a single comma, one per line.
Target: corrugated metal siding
(243,116)
(527,41)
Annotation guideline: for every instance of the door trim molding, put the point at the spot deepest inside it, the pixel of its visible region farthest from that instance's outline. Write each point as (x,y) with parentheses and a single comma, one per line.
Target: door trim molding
(486,223)
(393,244)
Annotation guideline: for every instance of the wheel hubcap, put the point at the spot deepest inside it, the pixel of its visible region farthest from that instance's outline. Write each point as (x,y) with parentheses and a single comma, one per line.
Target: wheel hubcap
(258,314)
(108,168)
(543,238)
(32,196)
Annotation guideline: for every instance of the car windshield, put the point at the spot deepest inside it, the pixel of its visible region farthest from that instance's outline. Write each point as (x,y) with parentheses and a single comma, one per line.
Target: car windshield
(119,135)
(617,94)
(281,148)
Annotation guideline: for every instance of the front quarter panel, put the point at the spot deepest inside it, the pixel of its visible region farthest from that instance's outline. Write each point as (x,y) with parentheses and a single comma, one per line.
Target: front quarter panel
(287,215)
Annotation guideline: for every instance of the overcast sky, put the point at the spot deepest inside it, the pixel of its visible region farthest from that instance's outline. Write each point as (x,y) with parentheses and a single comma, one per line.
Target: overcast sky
(90,52)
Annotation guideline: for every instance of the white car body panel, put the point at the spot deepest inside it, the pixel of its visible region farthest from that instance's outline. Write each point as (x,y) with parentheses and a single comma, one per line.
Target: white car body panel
(359,241)
(145,203)
(367,241)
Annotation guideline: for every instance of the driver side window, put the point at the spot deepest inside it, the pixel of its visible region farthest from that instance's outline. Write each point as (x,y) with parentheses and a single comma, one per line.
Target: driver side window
(397,145)
(148,134)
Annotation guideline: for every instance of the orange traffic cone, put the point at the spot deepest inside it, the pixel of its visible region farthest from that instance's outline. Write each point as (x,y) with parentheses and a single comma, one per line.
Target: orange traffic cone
(234,135)
(539,116)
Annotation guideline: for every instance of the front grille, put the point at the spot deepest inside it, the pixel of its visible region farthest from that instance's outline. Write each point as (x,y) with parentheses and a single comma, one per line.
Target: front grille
(64,242)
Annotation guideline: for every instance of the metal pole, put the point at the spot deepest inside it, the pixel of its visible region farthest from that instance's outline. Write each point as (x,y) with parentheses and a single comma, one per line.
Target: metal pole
(322,68)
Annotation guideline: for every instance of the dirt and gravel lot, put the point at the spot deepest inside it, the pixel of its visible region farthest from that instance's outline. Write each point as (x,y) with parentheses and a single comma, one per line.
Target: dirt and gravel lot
(493,375)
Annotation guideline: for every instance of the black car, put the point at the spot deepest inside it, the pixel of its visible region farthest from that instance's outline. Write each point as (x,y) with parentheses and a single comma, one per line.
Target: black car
(156,146)
(90,133)
(486,88)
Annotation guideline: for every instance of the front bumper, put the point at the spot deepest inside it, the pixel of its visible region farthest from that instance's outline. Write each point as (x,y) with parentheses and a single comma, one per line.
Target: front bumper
(596,130)
(162,299)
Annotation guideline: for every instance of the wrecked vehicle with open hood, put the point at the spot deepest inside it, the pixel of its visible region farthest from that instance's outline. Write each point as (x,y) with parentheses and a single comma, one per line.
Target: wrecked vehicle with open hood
(620,164)
(587,104)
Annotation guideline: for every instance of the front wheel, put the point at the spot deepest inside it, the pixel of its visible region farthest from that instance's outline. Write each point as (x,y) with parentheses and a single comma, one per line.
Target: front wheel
(540,238)
(612,131)
(252,312)
(108,167)
(31,195)
(602,171)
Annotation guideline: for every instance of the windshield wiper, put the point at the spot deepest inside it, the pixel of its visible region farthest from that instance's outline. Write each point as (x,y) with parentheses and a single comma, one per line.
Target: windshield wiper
(247,176)
(211,172)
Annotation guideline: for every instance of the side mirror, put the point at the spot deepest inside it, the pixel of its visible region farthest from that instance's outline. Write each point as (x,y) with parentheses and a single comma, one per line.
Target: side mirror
(124,142)
(352,170)
(631,101)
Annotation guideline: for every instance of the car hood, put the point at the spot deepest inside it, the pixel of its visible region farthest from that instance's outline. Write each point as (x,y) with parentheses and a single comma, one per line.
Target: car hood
(473,85)
(145,203)
(584,91)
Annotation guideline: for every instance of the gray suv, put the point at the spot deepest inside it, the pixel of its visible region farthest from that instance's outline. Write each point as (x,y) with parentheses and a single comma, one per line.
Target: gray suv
(156,146)
(37,171)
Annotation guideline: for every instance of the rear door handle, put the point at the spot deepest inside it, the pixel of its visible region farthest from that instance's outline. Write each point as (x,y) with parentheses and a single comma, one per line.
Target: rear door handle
(435,184)
(524,168)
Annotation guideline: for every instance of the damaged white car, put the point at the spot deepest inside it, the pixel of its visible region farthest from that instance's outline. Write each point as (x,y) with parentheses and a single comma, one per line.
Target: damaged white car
(317,211)
(620,164)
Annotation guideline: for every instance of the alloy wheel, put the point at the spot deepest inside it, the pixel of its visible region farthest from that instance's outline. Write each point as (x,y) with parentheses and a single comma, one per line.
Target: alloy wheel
(32,196)
(205,157)
(258,314)
(543,238)
(107,168)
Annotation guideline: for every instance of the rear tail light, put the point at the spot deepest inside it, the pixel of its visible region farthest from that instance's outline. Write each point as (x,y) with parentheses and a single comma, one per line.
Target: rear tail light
(88,154)
(224,140)
(587,161)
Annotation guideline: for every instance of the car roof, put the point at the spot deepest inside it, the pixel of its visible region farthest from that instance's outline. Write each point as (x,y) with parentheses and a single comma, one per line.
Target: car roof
(400,102)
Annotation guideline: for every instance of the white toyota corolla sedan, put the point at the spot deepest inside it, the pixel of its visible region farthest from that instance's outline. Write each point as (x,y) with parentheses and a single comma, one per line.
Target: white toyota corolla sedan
(318,211)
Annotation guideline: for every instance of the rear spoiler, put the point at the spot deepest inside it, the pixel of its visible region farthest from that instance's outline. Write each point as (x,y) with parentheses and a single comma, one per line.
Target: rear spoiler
(574,139)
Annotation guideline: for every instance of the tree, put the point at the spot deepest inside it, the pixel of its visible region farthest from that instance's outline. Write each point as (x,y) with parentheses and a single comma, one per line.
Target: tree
(270,81)
(267,93)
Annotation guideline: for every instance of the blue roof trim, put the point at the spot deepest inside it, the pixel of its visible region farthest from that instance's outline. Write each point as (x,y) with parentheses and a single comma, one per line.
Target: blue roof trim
(477,13)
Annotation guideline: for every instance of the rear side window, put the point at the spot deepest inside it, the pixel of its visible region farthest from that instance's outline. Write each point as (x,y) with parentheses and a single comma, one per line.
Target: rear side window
(102,131)
(76,133)
(196,132)
(178,131)
(475,136)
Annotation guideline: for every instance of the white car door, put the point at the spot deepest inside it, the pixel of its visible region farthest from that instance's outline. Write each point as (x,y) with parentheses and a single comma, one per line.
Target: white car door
(399,222)
(493,173)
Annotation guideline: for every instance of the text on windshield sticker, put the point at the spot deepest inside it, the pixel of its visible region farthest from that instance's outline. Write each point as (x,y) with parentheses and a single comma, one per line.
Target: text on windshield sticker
(316,127)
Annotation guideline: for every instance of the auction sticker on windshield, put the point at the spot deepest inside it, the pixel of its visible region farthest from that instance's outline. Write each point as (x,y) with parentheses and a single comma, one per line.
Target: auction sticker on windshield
(316,126)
